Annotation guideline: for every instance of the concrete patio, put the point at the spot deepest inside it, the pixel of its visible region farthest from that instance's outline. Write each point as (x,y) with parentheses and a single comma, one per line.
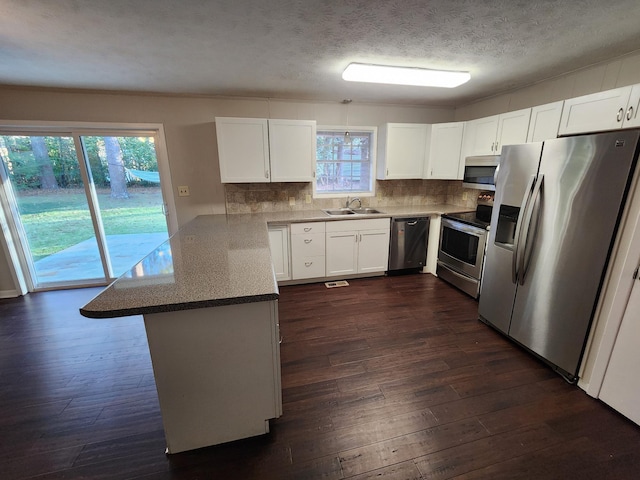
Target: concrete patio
(82,261)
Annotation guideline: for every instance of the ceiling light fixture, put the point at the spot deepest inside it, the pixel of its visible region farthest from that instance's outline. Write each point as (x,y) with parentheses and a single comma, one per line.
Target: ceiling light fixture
(422,77)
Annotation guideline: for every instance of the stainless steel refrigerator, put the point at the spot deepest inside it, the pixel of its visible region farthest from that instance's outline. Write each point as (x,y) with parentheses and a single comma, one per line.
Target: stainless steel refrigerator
(556,212)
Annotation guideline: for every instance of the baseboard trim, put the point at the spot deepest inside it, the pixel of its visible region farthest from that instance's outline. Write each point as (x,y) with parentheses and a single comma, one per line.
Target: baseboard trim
(9,293)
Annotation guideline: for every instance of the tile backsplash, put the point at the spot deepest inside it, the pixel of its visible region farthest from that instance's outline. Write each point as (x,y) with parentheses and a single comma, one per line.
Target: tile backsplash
(276,197)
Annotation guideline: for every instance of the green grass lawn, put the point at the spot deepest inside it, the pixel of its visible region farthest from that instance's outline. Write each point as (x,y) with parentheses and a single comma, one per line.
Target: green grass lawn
(57,220)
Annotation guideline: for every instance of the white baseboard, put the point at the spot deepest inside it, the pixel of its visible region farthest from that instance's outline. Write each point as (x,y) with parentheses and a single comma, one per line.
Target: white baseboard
(9,293)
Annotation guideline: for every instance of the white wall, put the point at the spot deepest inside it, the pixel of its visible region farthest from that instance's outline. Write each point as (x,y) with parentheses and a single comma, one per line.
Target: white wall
(190,130)
(618,72)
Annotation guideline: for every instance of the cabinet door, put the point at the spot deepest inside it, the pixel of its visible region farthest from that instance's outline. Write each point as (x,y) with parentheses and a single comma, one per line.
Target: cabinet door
(621,386)
(545,121)
(243,150)
(292,150)
(279,245)
(341,253)
(373,250)
(631,117)
(512,128)
(444,152)
(595,112)
(483,141)
(402,150)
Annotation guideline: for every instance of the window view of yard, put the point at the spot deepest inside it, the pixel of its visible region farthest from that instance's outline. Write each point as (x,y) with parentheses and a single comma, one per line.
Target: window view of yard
(343,162)
(45,176)
(53,223)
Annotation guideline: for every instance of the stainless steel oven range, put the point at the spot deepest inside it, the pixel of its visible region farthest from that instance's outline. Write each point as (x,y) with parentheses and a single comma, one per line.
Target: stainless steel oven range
(463,238)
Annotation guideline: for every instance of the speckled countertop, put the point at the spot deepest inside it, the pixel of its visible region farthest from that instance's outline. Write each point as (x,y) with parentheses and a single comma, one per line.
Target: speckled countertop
(214,260)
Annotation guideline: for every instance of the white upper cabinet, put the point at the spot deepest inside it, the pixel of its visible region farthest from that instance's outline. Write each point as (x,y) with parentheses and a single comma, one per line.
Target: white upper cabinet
(243,149)
(402,150)
(545,121)
(292,150)
(512,128)
(486,136)
(255,150)
(608,110)
(444,161)
(480,138)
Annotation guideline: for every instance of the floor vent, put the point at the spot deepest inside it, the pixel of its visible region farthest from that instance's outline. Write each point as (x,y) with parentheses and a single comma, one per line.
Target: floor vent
(339,283)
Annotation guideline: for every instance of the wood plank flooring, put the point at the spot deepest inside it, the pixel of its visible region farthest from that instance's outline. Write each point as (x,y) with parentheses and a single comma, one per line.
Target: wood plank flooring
(388,378)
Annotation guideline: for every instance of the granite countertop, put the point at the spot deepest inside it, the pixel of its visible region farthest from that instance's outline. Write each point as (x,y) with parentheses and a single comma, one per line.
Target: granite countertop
(214,260)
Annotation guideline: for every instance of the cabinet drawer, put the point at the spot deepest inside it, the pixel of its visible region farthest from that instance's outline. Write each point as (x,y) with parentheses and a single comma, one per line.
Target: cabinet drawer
(307,244)
(309,267)
(311,227)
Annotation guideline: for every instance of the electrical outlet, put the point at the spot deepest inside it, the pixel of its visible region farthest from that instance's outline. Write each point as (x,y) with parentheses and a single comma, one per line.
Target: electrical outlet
(292,201)
(307,198)
(183,191)
(464,195)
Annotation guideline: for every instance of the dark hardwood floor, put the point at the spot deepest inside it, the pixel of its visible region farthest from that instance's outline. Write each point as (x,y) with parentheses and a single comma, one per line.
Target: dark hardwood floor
(388,378)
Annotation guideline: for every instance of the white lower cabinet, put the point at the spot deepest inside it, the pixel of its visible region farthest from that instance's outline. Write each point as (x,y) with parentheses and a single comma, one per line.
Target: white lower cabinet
(210,390)
(308,250)
(357,246)
(279,246)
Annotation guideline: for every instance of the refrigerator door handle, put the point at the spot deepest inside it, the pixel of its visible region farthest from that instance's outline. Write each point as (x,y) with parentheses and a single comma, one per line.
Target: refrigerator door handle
(516,237)
(525,256)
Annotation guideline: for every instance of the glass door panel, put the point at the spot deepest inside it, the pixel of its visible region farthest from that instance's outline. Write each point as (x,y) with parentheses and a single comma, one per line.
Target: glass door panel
(50,210)
(124,171)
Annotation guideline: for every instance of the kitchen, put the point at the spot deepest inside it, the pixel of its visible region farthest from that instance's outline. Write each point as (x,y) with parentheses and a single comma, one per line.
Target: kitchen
(191,132)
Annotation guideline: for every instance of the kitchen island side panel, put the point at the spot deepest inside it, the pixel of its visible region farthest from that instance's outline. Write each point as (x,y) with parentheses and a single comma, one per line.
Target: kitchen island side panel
(217,372)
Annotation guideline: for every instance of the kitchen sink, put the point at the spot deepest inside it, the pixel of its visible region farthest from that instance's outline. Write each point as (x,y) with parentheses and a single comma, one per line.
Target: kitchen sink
(351,211)
(365,211)
(341,211)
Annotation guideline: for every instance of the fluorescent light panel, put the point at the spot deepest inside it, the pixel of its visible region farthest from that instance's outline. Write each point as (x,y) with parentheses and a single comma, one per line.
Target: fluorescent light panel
(422,77)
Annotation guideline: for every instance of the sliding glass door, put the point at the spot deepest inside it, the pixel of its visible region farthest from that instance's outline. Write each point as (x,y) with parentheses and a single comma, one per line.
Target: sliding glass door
(84,208)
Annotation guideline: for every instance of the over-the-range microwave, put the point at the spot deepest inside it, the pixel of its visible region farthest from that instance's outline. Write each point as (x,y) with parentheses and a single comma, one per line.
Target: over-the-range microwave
(479,172)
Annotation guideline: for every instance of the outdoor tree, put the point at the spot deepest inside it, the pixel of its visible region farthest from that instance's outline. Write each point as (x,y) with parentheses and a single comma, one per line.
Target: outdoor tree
(115,164)
(45,168)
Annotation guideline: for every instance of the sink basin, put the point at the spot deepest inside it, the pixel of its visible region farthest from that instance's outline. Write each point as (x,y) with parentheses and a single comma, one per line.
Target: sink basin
(341,211)
(365,211)
(351,211)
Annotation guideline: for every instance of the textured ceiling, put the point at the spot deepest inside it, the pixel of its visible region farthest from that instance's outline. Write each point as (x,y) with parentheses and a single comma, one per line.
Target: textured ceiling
(298,48)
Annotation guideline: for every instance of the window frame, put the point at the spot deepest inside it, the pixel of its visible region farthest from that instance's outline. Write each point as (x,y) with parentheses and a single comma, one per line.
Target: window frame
(372,153)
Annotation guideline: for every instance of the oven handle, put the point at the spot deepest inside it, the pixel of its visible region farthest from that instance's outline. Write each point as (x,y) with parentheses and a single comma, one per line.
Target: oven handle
(515,259)
(525,258)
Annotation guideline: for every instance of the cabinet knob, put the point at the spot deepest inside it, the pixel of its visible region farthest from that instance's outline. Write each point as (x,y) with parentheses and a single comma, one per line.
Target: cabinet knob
(266,174)
(630,113)
(620,115)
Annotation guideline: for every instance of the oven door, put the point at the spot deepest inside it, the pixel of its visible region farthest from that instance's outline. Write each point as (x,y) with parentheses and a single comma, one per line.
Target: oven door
(462,247)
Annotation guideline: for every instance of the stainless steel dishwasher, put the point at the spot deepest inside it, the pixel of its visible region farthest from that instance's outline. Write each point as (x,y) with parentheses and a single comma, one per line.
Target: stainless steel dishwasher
(408,247)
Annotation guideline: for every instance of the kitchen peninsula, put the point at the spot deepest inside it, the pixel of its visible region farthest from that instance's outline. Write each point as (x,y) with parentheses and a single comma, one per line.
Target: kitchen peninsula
(208,296)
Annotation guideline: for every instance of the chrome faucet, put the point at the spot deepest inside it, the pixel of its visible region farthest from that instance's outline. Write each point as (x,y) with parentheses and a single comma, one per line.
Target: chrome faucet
(349,202)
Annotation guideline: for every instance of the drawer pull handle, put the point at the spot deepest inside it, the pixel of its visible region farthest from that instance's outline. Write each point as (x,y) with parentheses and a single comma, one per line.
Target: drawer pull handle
(308,264)
(307,229)
(308,240)
(630,113)
(620,115)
